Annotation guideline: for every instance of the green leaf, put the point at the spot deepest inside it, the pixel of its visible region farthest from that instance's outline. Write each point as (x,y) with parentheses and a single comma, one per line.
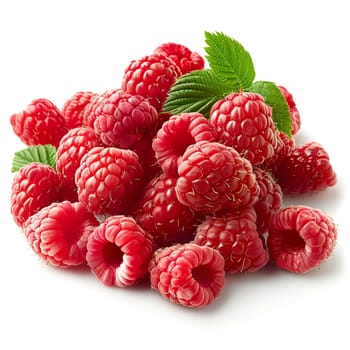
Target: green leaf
(43,154)
(229,60)
(274,98)
(196,91)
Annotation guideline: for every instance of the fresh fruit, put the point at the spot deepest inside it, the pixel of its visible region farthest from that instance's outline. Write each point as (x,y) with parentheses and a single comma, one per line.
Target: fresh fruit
(184,58)
(108,179)
(235,236)
(59,233)
(215,177)
(175,177)
(40,123)
(307,168)
(151,77)
(73,146)
(188,274)
(301,238)
(118,251)
(122,120)
(176,135)
(269,201)
(73,109)
(285,146)
(35,186)
(244,121)
(161,214)
(294,112)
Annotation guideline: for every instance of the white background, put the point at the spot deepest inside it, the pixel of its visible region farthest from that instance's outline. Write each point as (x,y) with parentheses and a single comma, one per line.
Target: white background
(53,49)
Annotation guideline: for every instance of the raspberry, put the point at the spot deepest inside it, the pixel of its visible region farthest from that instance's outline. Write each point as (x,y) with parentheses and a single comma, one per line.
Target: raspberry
(73,146)
(108,179)
(35,125)
(307,168)
(59,232)
(300,238)
(184,58)
(187,274)
(285,146)
(161,214)
(147,158)
(270,199)
(88,114)
(176,135)
(236,237)
(119,251)
(213,176)
(122,120)
(151,77)
(73,109)
(34,187)
(243,120)
(294,113)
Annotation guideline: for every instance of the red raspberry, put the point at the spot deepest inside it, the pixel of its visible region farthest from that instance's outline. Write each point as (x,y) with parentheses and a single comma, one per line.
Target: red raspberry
(285,146)
(270,199)
(73,146)
(108,179)
(306,169)
(151,77)
(213,176)
(188,274)
(34,187)
(119,251)
(176,135)
(35,125)
(73,109)
(184,58)
(301,238)
(147,158)
(122,120)
(294,113)
(236,237)
(161,214)
(243,120)
(89,110)
(59,233)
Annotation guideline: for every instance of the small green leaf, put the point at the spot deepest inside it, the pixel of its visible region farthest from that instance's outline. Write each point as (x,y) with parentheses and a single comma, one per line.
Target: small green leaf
(196,91)
(43,154)
(229,60)
(274,98)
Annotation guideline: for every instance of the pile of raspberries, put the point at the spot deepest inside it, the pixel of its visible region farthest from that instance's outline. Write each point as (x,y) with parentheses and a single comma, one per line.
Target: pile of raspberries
(178,201)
